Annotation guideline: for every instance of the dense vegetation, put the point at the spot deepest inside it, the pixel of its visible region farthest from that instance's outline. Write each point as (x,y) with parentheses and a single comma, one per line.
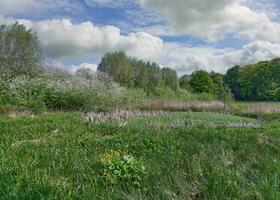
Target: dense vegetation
(257,82)
(134,73)
(58,156)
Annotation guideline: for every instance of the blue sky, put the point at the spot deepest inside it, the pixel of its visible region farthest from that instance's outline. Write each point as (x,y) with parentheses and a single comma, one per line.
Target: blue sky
(185,35)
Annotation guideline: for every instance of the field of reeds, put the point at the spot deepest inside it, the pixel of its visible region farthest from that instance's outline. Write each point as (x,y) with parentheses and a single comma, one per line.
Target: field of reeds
(179,105)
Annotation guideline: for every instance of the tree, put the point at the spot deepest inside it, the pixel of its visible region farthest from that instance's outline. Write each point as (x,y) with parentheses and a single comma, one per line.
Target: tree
(260,81)
(154,74)
(221,90)
(185,82)
(19,50)
(170,79)
(218,80)
(232,81)
(118,67)
(201,82)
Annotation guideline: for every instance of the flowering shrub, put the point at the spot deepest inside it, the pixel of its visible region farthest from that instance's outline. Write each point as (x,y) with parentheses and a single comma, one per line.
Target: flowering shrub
(121,168)
(59,93)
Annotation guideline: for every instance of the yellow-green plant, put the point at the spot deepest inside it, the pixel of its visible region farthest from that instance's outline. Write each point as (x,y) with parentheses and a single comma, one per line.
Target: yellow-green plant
(121,168)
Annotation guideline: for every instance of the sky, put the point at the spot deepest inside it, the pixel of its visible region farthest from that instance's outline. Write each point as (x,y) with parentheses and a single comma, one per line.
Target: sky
(185,35)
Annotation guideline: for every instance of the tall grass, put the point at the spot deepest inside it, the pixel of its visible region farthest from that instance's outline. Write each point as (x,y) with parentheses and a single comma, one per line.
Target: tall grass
(179,105)
(264,110)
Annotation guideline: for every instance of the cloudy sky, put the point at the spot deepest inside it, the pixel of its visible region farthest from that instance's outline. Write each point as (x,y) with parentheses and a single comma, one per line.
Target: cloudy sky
(185,35)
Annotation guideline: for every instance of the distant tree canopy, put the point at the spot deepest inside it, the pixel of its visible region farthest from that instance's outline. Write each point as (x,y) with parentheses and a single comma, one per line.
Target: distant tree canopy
(130,72)
(231,80)
(19,50)
(185,82)
(201,82)
(118,67)
(257,82)
(170,79)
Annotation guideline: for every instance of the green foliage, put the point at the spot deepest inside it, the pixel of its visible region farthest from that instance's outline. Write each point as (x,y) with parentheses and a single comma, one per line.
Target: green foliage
(146,74)
(202,82)
(122,169)
(257,82)
(232,81)
(20,51)
(133,97)
(161,92)
(117,66)
(170,78)
(222,91)
(185,82)
(134,73)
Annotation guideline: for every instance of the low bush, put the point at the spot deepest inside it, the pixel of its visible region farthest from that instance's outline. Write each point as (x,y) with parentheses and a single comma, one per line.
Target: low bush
(120,168)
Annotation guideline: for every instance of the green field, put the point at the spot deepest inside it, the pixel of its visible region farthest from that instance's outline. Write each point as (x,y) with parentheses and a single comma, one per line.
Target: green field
(56,156)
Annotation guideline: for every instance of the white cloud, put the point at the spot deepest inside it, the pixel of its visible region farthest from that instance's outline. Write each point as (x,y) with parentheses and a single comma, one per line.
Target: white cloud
(73,69)
(188,59)
(214,19)
(62,39)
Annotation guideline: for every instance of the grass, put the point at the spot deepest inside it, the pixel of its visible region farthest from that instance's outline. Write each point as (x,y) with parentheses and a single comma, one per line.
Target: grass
(267,111)
(55,156)
(182,105)
(256,107)
(177,119)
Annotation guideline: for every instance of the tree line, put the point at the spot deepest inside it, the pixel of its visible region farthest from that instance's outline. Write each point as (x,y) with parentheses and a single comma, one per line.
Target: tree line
(255,82)
(130,72)
(20,53)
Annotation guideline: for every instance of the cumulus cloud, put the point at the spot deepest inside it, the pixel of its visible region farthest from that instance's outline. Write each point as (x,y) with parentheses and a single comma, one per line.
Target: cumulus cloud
(214,19)
(188,59)
(73,69)
(63,39)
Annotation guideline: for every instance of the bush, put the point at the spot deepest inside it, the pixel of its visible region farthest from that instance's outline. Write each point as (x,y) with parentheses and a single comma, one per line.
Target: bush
(23,91)
(120,168)
(161,92)
(59,93)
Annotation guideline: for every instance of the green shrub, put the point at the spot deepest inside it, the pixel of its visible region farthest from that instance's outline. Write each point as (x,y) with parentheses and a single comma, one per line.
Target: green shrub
(120,168)
(161,92)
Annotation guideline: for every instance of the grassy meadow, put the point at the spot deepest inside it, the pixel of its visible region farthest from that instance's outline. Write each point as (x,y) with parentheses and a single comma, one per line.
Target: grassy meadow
(177,155)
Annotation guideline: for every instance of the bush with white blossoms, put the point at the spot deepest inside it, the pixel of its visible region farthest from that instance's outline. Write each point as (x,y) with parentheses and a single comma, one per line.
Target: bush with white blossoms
(60,92)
